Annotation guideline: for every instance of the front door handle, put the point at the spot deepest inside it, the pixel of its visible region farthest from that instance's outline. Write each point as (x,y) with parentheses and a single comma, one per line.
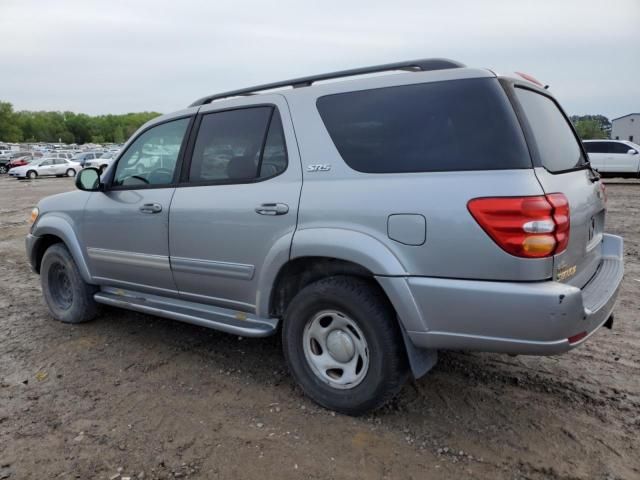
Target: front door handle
(272,209)
(151,208)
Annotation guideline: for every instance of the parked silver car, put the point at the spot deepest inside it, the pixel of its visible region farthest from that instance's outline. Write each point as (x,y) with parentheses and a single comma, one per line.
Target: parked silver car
(442,207)
(58,167)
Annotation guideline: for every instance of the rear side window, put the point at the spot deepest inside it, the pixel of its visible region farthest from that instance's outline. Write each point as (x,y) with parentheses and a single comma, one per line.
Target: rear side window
(238,146)
(430,127)
(558,147)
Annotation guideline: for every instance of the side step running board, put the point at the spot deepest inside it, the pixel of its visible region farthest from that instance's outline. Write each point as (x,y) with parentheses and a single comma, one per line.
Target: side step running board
(225,320)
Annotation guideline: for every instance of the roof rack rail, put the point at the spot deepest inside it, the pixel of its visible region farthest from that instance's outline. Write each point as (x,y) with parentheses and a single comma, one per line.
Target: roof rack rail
(422,65)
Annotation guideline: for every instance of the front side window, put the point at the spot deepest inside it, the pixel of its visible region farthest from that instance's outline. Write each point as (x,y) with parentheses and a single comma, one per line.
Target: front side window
(238,146)
(151,159)
(619,148)
(558,147)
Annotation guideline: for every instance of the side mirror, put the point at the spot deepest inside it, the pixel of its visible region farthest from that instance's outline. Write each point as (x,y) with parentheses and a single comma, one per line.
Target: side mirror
(632,151)
(88,180)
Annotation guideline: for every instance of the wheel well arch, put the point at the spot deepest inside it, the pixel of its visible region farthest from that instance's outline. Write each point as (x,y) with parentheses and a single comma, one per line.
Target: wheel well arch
(45,242)
(300,272)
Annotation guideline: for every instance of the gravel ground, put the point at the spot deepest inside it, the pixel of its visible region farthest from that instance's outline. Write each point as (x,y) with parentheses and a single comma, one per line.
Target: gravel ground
(145,397)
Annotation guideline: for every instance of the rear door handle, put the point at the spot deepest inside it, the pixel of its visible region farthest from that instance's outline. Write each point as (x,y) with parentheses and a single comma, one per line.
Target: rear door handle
(151,208)
(272,209)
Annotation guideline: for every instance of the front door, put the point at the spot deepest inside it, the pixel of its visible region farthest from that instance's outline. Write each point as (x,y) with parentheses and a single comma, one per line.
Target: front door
(620,160)
(238,203)
(46,167)
(126,226)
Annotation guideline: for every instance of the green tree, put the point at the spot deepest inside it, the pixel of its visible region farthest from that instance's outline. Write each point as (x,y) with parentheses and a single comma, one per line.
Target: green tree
(590,129)
(592,126)
(68,127)
(9,129)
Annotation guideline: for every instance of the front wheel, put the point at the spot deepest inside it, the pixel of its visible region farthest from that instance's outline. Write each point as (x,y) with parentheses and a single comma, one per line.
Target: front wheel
(3,169)
(343,345)
(69,298)
(71,172)
(32,174)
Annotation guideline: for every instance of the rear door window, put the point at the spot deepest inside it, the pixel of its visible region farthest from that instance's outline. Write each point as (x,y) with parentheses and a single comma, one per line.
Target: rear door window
(556,143)
(430,127)
(236,146)
(596,147)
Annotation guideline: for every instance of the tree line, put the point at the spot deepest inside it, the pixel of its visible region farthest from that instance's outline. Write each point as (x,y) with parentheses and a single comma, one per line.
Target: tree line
(67,127)
(70,127)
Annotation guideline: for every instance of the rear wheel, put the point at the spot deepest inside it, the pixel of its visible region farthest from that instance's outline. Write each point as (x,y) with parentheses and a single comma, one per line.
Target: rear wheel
(71,172)
(69,298)
(3,169)
(343,345)
(32,174)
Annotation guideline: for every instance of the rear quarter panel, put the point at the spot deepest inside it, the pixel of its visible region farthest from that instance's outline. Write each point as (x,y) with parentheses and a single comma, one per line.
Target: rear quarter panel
(342,198)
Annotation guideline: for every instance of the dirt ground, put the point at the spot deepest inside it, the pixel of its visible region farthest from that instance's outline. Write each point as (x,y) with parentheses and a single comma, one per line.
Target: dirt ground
(152,398)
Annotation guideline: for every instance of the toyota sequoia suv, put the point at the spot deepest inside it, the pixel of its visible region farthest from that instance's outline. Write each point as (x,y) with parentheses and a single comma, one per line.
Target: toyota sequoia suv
(370,221)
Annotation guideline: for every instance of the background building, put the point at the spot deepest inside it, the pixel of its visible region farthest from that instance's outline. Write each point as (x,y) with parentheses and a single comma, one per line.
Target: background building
(626,127)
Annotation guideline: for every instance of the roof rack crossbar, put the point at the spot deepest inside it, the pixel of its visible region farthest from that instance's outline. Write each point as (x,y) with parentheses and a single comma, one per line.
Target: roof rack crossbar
(423,65)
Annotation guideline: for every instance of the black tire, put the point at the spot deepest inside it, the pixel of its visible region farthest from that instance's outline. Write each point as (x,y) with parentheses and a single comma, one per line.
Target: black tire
(3,169)
(32,174)
(69,298)
(364,303)
(71,173)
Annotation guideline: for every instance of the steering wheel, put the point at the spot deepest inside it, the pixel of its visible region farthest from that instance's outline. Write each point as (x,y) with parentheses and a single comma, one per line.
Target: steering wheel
(159,172)
(143,180)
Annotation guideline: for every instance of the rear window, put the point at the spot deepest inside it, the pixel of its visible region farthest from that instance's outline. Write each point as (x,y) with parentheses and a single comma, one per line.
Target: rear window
(558,147)
(430,127)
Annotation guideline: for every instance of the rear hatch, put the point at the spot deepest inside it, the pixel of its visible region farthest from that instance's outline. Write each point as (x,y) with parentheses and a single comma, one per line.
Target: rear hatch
(561,167)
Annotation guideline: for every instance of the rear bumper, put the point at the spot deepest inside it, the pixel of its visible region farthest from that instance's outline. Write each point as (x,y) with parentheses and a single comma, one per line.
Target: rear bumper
(508,317)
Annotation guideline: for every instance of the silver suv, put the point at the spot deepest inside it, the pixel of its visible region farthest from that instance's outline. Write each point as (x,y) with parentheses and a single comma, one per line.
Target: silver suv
(372,221)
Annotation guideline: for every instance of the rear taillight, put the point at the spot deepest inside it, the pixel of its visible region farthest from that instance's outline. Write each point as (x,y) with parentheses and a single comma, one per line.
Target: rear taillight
(529,227)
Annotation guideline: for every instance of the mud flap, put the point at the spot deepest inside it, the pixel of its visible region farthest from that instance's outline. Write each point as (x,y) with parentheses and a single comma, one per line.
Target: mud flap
(609,323)
(421,360)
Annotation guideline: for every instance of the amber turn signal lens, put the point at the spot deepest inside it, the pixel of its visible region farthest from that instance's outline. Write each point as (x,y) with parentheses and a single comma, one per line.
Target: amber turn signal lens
(539,245)
(34,216)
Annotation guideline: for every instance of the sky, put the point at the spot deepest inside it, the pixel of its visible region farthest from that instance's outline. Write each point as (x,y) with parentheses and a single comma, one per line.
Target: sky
(114,56)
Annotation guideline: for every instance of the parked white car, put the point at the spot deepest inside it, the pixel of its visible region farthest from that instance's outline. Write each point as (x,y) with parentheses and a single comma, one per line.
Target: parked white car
(59,167)
(614,156)
(102,162)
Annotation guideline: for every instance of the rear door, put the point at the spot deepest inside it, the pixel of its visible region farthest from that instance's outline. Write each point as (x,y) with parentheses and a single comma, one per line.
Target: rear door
(561,168)
(238,202)
(60,166)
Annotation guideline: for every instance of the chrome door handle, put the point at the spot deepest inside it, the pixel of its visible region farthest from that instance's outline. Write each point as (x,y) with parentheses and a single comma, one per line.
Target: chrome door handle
(272,209)
(151,208)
